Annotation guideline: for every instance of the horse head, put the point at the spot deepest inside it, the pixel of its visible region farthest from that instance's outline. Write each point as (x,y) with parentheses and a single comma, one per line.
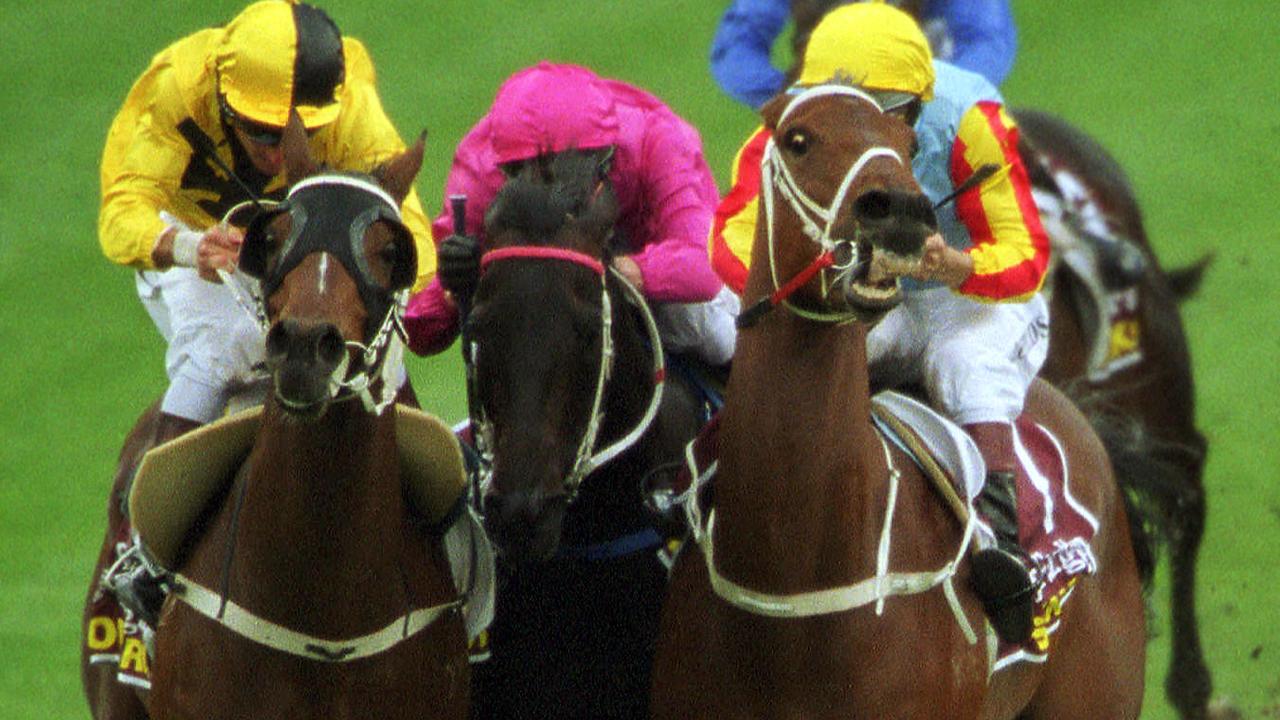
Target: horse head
(843,167)
(539,340)
(334,260)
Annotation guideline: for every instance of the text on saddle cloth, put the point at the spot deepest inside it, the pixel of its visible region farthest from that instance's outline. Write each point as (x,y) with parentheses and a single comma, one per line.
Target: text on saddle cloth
(1055,529)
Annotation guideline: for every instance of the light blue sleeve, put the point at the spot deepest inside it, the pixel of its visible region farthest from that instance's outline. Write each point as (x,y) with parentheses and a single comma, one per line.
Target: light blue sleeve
(982,33)
(740,52)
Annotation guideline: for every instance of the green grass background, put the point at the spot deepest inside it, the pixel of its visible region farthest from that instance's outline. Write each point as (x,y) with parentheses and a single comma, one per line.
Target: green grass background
(1184,92)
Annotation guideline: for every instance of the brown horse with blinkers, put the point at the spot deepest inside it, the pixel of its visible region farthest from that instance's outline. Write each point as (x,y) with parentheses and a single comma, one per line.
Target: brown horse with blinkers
(789,602)
(313,585)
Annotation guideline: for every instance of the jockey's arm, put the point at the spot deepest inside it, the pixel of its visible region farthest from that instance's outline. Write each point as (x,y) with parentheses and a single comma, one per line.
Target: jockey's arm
(141,175)
(733,227)
(680,196)
(742,47)
(1010,251)
(983,34)
(432,317)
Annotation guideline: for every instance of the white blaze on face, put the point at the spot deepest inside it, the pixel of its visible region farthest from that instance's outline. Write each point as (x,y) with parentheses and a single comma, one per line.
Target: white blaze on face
(323,281)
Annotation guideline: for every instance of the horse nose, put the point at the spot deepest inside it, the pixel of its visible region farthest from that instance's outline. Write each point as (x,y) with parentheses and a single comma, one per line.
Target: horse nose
(882,205)
(321,344)
(895,220)
(523,528)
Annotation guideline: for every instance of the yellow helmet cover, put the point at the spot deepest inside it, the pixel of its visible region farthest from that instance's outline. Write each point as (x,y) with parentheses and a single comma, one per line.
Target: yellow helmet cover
(279,55)
(876,45)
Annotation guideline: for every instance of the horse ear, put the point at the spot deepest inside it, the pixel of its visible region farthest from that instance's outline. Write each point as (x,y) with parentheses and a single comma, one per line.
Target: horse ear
(298,162)
(397,174)
(602,214)
(772,110)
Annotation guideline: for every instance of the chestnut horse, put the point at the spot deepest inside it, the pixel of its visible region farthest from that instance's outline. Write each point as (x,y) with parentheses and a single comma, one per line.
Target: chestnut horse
(311,585)
(1156,388)
(788,616)
(572,405)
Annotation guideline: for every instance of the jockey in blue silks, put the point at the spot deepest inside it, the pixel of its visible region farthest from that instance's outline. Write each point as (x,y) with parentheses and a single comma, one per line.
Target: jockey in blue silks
(977,35)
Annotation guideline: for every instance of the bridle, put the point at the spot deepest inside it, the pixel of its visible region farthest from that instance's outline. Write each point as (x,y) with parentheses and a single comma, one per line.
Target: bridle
(587,458)
(380,357)
(840,258)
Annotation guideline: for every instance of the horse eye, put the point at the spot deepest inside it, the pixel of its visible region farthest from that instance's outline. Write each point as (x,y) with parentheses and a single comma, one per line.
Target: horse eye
(797,141)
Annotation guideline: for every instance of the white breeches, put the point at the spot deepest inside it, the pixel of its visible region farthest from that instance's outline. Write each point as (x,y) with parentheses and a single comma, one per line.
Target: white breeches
(975,360)
(706,329)
(213,343)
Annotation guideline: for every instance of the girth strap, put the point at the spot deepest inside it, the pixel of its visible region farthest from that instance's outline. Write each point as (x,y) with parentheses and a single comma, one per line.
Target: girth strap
(277,637)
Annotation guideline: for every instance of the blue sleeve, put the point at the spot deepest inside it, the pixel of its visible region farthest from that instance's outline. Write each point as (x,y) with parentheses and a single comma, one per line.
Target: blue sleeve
(983,35)
(740,53)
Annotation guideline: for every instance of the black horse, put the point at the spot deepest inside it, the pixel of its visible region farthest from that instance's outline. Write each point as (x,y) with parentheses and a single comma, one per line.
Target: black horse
(572,405)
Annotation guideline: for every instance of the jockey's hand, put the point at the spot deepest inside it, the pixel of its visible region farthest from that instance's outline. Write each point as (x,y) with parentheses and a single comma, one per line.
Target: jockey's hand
(943,263)
(219,248)
(459,266)
(629,270)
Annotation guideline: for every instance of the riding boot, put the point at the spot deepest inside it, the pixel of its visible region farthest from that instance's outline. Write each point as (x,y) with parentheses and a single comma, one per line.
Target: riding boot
(1002,574)
(140,585)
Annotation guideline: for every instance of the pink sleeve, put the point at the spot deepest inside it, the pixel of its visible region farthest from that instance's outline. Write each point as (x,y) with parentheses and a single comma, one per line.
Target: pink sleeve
(431,320)
(474,174)
(680,193)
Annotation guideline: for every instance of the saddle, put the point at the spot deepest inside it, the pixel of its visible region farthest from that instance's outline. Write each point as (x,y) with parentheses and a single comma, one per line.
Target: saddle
(175,481)
(1105,267)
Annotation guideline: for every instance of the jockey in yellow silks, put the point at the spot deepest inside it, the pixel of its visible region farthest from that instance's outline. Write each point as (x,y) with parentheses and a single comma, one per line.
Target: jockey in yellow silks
(972,328)
(200,132)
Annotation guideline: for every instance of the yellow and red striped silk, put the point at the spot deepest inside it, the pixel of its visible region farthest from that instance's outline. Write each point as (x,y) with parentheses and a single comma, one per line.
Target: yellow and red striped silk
(1010,249)
(733,228)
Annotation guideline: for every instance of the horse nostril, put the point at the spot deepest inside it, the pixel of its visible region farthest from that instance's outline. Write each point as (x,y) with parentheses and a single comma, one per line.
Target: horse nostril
(330,347)
(873,206)
(277,345)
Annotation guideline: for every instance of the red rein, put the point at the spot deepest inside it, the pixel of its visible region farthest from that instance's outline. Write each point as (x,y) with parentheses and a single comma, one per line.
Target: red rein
(544,253)
(754,313)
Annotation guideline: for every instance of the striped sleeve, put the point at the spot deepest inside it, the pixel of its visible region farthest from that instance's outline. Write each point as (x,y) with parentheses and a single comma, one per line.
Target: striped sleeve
(1010,248)
(734,228)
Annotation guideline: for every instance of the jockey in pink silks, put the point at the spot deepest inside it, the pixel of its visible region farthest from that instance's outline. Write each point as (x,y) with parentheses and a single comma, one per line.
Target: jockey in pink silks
(666,195)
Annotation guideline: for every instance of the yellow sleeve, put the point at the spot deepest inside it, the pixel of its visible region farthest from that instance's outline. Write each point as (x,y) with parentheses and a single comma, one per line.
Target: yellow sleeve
(142,166)
(365,137)
(733,229)
(1010,248)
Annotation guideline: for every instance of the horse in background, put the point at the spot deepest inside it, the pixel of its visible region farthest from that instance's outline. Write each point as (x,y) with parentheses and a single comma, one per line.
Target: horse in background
(573,402)
(1125,354)
(312,579)
(805,608)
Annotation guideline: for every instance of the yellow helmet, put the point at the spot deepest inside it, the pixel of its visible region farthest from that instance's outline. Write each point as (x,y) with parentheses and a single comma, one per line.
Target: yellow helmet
(877,45)
(280,55)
